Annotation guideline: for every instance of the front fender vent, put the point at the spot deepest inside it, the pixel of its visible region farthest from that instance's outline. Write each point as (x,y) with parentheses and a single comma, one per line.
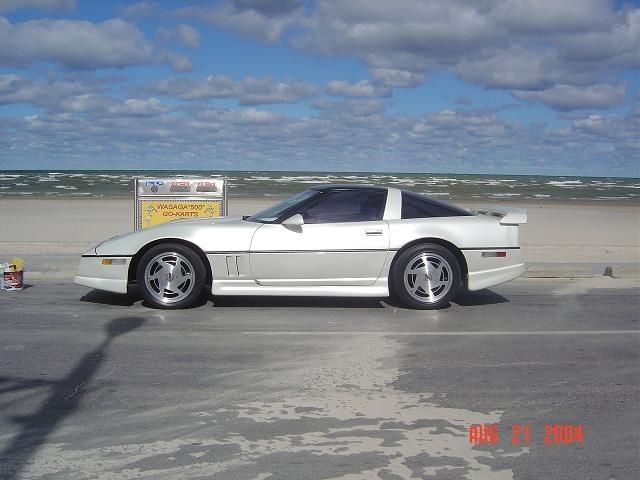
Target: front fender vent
(232,265)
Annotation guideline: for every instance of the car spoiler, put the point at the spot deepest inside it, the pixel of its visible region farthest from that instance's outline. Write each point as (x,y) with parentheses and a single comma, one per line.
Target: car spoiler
(507,215)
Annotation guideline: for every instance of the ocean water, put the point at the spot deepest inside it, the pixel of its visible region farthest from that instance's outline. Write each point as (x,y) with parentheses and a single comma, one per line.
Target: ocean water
(110,183)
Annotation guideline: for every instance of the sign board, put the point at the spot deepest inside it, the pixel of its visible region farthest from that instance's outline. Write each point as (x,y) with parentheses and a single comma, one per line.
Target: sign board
(160,200)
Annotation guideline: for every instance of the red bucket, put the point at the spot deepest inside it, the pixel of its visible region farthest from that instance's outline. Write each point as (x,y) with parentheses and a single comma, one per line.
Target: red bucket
(13,280)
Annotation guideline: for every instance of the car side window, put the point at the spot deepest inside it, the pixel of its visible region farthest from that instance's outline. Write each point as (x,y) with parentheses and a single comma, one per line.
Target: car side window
(346,206)
(417,206)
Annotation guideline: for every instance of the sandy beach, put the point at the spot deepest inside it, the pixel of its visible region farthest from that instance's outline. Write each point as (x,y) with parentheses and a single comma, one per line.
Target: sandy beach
(587,235)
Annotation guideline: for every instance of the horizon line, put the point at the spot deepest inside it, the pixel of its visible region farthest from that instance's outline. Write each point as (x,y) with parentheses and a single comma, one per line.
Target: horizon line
(49,170)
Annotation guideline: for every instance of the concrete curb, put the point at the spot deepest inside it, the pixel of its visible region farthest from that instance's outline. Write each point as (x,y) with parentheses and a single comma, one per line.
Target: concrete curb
(582,270)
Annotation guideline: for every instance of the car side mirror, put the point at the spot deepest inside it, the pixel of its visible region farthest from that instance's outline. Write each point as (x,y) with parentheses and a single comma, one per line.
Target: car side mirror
(294,221)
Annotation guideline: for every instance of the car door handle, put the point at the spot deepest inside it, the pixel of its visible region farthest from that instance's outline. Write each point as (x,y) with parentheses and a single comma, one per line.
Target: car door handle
(373,232)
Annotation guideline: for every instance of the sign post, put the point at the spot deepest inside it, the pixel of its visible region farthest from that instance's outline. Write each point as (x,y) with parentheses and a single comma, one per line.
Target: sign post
(160,200)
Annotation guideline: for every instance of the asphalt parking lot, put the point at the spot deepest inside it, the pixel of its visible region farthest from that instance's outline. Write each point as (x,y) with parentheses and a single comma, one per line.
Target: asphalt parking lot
(96,385)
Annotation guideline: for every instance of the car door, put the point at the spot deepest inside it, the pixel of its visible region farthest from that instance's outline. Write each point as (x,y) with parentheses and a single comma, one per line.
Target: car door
(343,241)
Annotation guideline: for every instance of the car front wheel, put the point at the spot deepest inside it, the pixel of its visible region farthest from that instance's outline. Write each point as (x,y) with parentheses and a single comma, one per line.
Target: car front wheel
(426,276)
(171,276)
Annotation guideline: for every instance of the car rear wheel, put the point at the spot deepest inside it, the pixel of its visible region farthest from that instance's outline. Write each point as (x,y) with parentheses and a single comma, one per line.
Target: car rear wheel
(425,276)
(171,276)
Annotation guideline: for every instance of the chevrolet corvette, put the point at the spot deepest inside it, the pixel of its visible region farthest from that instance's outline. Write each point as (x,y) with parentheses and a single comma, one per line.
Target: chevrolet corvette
(329,240)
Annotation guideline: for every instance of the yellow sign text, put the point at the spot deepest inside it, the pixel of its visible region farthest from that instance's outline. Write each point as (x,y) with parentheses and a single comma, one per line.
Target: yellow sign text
(155,212)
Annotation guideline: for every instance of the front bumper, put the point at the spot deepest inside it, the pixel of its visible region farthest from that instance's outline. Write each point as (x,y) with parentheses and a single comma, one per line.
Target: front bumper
(112,278)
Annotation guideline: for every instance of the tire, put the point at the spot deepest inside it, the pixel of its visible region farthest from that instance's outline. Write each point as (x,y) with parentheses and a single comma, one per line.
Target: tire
(171,276)
(416,286)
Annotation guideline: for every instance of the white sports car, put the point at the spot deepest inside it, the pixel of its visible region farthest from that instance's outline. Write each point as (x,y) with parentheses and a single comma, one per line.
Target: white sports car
(332,240)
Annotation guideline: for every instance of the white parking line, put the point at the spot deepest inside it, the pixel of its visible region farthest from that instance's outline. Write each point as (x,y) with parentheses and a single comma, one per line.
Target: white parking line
(453,334)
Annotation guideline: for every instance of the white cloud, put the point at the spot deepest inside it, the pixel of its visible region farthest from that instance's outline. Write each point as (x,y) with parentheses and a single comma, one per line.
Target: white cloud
(441,126)
(51,94)
(348,134)
(363,88)
(249,91)
(515,68)
(353,112)
(594,124)
(616,133)
(73,43)
(507,44)
(569,97)
(188,35)
(73,96)
(510,44)
(253,116)
(138,107)
(9,5)
(392,77)
(178,63)
(255,91)
(414,29)
(86,102)
(214,86)
(548,16)
(567,55)
(264,20)
(138,9)
(268,8)
(616,46)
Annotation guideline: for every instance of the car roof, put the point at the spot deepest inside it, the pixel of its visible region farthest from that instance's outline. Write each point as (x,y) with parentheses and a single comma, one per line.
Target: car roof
(346,186)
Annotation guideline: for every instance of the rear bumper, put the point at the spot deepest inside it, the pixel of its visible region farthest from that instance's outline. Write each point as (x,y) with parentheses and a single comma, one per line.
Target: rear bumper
(487,271)
(489,278)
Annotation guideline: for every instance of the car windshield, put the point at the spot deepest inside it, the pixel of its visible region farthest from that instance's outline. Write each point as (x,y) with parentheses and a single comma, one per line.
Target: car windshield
(274,212)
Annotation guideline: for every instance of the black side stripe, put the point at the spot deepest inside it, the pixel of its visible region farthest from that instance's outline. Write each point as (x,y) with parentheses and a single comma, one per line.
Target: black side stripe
(490,248)
(106,256)
(355,250)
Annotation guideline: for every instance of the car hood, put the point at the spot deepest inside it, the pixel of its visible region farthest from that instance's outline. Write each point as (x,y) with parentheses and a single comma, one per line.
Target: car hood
(225,234)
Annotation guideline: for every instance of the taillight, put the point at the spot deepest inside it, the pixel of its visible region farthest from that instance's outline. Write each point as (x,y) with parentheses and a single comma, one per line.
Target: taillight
(494,254)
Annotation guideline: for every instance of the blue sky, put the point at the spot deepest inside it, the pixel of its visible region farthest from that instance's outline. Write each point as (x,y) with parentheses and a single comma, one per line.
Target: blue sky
(498,86)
